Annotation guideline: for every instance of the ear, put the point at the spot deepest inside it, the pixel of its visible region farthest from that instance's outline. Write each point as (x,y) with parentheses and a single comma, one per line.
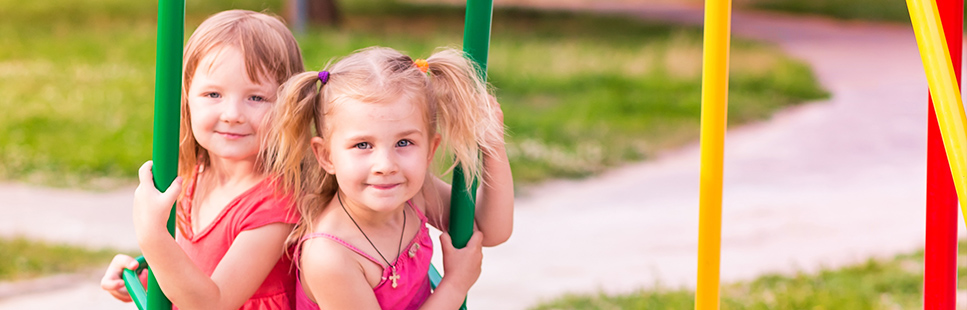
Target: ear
(434,144)
(321,150)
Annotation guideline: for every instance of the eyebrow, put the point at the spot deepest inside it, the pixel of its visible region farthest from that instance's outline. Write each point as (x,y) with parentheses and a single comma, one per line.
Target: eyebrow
(368,137)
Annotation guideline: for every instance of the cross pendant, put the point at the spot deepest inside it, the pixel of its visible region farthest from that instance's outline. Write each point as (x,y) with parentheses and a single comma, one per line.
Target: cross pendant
(394,277)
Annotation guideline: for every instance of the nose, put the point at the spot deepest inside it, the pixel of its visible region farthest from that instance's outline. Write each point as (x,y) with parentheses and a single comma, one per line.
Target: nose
(232,111)
(385,162)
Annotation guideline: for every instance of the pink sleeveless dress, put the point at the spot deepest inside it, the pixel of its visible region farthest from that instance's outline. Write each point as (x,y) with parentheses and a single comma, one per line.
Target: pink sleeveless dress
(254,208)
(413,285)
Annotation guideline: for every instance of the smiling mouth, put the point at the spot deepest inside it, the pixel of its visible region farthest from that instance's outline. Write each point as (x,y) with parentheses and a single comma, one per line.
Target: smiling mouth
(384,186)
(230,135)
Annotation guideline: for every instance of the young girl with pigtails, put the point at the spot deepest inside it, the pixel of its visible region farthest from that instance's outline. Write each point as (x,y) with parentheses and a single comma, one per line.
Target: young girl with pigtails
(373,122)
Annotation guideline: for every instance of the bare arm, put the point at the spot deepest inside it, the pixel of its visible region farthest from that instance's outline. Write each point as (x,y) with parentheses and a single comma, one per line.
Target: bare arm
(241,271)
(333,279)
(494,212)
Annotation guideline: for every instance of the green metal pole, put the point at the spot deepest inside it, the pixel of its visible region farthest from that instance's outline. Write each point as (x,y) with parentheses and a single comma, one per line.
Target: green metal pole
(476,32)
(476,43)
(167,113)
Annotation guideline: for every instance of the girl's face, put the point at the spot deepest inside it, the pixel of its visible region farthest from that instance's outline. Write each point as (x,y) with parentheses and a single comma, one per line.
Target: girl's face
(227,108)
(379,152)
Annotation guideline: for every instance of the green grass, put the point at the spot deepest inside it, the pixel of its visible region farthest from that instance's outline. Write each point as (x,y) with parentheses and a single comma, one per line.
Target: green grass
(879,10)
(21,258)
(580,93)
(895,283)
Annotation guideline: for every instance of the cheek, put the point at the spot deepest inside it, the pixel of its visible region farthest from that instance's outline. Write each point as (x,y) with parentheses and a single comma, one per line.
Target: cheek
(260,112)
(418,159)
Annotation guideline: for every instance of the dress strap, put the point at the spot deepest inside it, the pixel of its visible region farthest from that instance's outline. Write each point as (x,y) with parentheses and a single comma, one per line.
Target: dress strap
(418,212)
(340,241)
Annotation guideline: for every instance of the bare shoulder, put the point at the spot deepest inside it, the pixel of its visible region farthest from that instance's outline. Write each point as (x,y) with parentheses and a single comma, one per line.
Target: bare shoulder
(324,255)
(325,262)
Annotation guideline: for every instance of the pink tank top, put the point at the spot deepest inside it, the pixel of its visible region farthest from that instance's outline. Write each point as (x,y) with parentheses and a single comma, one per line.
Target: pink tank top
(413,285)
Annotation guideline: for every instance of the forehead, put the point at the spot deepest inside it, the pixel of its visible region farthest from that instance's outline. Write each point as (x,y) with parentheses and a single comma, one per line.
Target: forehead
(354,117)
(231,61)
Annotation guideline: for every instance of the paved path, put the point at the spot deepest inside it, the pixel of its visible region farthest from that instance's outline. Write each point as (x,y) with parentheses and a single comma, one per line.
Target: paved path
(823,184)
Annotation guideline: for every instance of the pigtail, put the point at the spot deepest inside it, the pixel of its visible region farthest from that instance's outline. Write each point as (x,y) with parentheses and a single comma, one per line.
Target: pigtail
(465,115)
(286,151)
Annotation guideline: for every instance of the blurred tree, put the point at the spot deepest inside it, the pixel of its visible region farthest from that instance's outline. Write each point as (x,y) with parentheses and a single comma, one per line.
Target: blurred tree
(316,12)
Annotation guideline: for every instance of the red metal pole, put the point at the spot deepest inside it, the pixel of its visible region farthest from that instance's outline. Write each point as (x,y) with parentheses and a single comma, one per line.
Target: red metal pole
(940,254)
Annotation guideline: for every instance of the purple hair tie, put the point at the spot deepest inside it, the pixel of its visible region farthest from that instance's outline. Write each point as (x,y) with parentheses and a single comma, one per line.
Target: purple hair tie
(324,77)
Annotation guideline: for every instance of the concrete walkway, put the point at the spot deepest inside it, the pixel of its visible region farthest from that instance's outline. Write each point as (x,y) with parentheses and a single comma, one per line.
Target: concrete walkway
(822,184)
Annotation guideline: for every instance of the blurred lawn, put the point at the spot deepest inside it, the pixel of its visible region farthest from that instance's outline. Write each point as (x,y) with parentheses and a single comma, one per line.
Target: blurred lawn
(21,258)
(879,10)
(580,93)
(895,283)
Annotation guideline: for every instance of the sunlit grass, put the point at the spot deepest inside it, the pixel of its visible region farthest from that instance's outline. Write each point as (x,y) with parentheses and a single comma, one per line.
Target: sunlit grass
(894,283)
(21,258)
(580,93)
(881,10)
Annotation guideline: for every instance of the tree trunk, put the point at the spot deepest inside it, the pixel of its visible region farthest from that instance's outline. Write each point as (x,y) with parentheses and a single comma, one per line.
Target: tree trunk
(324,12)
(318,12)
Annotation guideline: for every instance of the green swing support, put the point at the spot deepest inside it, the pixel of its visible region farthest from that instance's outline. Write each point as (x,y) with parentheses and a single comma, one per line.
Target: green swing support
(167,113)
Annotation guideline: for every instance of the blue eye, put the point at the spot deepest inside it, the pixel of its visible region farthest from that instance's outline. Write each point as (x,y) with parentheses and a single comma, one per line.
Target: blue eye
(362,145)
(213,95)
(403,143)
(256,98)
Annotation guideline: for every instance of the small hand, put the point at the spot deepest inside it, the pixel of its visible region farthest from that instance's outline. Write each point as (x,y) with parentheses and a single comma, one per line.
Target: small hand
(152,207)
(112,282)
(462,266)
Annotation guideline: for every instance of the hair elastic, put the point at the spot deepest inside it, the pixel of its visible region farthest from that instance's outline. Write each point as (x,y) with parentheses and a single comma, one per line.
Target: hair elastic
(324,77)
(422,64)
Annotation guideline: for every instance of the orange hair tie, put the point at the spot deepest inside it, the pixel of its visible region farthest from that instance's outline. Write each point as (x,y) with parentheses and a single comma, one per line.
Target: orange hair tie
(422,64)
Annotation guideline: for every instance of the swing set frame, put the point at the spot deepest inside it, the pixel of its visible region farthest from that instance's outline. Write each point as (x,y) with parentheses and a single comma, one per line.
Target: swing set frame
(935,23)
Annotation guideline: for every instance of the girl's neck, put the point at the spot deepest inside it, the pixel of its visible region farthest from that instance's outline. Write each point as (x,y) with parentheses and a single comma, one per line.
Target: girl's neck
(223,172)
(368,217)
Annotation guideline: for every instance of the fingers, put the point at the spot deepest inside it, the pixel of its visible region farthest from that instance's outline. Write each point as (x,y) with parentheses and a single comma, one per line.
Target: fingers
(445,239)
(171,194)
(133,265)
(119,292)
(146,177)
(112,282)
(476,240)
(446,244)
(117,263)
(144,173)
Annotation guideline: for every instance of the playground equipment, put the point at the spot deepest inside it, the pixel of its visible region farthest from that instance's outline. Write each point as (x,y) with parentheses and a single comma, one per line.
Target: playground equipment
(947,146)
(945,131)
(171,29)
(715,96)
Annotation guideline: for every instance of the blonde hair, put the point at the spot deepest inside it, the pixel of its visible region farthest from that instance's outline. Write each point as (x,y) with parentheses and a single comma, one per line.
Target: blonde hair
(268,49)
(453,96)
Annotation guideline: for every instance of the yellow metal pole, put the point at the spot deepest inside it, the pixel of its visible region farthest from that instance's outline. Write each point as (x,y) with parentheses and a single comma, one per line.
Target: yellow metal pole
(715,96)
(944,89)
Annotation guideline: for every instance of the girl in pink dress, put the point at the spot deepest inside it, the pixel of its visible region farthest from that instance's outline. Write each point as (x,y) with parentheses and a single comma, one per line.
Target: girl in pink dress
(373,122)
(229,251)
